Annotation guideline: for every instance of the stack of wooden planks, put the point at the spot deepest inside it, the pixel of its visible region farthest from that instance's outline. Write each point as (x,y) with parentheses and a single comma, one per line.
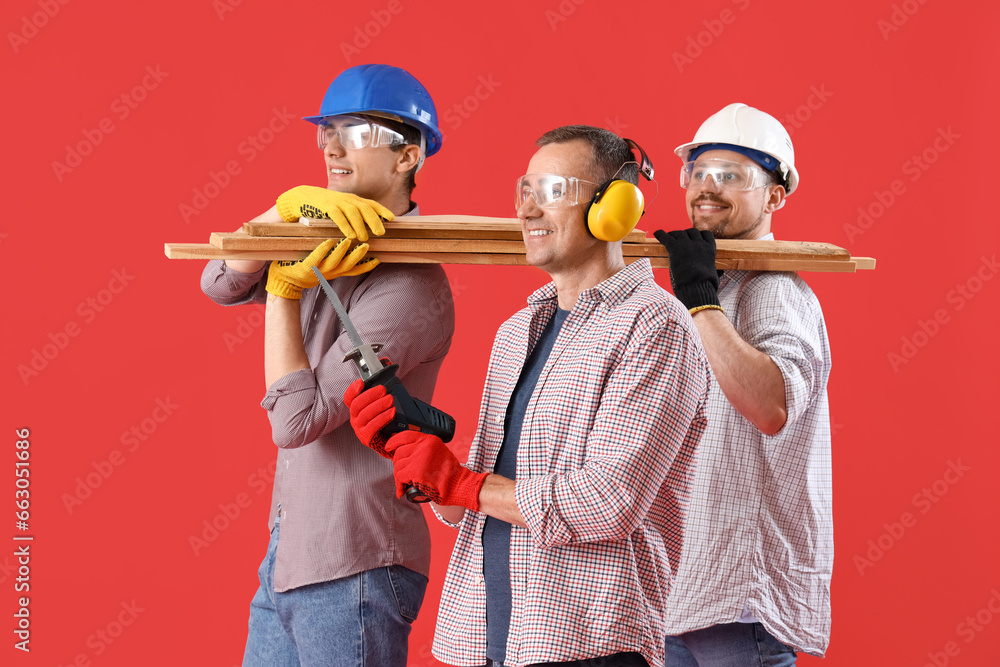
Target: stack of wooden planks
(464,239)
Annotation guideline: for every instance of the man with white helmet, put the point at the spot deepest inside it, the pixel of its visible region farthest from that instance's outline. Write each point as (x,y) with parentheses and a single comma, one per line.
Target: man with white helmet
(754,581)
(348,575)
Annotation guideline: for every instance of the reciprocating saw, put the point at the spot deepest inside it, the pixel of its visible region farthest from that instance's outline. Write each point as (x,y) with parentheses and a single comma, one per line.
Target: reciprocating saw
(411,414)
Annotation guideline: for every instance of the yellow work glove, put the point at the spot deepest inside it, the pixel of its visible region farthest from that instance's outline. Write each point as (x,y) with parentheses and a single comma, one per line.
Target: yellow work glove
(349,212)
(288,279)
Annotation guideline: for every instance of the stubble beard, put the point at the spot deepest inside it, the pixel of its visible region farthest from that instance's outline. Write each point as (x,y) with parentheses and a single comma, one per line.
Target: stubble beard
(720,230)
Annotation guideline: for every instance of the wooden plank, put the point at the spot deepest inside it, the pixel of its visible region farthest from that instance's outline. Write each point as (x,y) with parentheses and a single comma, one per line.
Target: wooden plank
(451,221)
(805,263)
(725,249)
(209,251)
(737,249)
(230,241)
(414,226)
(393,230)
(761,264)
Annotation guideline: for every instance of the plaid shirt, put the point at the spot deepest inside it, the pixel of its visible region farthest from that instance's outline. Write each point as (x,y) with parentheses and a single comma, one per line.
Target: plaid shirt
(760,528)
(604,469)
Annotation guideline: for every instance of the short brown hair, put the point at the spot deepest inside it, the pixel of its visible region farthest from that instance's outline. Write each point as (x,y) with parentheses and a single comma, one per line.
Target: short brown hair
(411,135)
(611,156)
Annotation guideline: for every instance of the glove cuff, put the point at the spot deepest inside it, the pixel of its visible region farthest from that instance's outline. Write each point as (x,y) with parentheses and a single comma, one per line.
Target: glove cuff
(288,205)
(282,288)
(696,295)
(467,488)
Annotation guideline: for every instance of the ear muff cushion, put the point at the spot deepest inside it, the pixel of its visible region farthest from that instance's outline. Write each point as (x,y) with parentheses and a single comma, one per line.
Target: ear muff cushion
(614,211)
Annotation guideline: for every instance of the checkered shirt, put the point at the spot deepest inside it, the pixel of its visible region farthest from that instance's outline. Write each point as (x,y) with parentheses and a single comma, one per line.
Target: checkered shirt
(760,528)
(604,470)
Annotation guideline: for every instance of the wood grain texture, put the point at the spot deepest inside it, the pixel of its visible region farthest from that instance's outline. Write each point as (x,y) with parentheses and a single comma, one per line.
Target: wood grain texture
(413,226)
(747,262)
(463,239)
(725,249)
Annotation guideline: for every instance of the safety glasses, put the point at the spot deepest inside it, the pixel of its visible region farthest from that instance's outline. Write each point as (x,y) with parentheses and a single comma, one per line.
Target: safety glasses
(356,133)
(724,174)
(553,190)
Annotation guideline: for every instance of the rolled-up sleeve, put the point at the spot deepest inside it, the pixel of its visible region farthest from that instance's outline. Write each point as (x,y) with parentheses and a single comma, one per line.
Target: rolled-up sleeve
(792,335)
(232,288)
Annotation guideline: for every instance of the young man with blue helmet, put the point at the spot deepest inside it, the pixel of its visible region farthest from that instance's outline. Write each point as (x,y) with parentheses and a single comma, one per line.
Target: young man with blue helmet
(347,576)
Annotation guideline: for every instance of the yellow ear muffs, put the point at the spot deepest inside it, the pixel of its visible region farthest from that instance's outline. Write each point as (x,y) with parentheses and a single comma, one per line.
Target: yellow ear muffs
(614,211)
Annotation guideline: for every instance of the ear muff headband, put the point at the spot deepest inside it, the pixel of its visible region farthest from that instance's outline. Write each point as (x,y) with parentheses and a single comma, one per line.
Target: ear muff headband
(617,205)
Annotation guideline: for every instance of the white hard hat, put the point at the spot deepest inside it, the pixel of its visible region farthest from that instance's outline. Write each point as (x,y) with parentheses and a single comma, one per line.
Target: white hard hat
(744,126)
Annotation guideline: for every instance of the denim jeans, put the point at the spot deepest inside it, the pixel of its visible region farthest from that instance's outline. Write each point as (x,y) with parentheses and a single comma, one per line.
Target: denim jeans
(360,620)
(729,645)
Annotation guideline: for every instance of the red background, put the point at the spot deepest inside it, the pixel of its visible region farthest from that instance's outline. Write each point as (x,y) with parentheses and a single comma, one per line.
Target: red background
(868,86)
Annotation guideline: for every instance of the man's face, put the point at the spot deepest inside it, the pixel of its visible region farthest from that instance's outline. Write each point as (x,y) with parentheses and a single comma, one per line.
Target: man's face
(556,239)
(367,172)
(728,213)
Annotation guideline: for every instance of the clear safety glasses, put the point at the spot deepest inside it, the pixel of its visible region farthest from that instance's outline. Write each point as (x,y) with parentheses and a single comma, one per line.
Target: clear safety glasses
(553,190)
(726,175)
(356,133)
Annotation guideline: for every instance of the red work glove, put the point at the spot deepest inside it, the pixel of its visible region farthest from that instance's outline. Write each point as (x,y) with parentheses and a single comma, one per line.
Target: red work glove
(370,410)
(422,460)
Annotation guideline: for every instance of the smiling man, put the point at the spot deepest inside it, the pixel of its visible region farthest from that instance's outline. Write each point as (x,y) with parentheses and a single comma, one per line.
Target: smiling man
(754,581)
(570,508)
(346,578)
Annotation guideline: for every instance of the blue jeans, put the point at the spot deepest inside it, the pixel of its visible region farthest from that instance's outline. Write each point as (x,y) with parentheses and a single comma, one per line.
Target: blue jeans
(360,620)
(729,645)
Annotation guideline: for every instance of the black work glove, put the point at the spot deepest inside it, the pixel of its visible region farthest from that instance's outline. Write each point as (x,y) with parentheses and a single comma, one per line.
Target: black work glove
(692,266)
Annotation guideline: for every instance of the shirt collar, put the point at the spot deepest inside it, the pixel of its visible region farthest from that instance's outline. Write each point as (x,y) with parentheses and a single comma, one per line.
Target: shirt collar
(737,275)
(612,291)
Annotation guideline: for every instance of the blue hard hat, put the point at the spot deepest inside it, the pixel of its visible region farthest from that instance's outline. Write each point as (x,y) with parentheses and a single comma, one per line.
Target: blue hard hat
(383,90)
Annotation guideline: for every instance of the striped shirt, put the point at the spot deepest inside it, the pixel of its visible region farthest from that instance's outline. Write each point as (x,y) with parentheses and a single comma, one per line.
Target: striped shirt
(339,511)
(604,468)
(760,527)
